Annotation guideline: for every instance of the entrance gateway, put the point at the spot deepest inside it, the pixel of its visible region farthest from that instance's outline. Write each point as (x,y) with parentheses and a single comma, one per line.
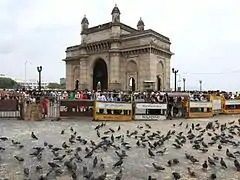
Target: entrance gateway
(113,54)
(100,75)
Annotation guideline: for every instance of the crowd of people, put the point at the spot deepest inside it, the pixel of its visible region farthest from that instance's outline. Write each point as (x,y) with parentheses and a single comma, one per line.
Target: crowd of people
(153,96)
(177,101)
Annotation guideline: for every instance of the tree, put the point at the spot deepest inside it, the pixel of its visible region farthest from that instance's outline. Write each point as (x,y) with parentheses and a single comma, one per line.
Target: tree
(8,83)
(56,86)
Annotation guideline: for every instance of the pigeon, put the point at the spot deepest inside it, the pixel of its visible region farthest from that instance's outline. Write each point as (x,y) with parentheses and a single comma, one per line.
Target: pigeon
(205,165)
(230,155)
(151,154)
(53,165)
(176,175)
(119,175)
(95,161)
(237,164)
(119,128)
(223,164)
(26,171)
(119,163)
(191,173)
(3,138)
(20,159)
(34,136)
(213,176)
(157,167)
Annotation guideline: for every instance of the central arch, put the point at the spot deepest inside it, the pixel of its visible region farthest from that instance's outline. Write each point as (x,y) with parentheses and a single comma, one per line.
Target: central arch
(100,75)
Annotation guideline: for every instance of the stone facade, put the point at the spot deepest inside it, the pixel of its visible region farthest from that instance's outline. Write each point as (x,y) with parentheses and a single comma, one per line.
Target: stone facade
(127,52)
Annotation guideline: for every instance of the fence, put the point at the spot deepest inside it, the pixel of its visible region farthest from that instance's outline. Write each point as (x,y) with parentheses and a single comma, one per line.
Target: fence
(150,111)
(76,108)
(12,109)
(9,108)
(122,110)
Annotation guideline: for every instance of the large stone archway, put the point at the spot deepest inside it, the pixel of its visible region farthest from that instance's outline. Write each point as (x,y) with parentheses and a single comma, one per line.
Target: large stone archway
(100,75)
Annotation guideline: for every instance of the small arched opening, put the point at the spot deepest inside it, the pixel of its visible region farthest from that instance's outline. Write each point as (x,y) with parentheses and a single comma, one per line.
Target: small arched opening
(77,84)
(159,83)
(100,75)
(160,75)
(132,84)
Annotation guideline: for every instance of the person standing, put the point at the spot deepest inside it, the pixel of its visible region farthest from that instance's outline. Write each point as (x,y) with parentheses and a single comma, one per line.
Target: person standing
(44,104)
(169,101)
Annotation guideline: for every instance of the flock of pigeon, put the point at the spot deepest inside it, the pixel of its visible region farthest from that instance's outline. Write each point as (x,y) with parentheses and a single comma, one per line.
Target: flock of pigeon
(79,157)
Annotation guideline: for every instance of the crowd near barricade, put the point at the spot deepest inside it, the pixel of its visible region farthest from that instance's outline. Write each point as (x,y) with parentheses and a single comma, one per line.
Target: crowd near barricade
(79,104)
(149,106)
(113,106)
(117,105)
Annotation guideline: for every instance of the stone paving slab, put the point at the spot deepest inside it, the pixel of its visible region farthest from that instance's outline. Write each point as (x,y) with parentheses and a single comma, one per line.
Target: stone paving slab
(138,164)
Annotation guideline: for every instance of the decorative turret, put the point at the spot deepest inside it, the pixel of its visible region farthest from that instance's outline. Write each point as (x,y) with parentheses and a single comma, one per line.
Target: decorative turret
(140,25)
(115,14)
(84,23)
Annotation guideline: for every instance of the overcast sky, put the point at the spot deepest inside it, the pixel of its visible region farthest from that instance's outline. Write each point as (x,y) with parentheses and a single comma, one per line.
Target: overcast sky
(204,34)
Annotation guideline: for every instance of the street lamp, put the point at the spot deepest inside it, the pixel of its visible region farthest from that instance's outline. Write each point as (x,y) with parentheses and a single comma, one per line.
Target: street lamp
(184,84)
(174,71)
(200,83)
(39,69)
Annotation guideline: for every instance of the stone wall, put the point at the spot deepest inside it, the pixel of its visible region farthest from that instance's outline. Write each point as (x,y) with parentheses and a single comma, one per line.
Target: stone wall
(98,36)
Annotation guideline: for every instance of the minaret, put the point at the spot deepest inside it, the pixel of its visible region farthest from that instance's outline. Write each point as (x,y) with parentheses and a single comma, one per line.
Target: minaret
(140,25)
(84,24)
(116,30)
(115,80)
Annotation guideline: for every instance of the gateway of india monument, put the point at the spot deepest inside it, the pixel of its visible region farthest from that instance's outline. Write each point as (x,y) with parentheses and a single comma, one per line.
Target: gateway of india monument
(117,56)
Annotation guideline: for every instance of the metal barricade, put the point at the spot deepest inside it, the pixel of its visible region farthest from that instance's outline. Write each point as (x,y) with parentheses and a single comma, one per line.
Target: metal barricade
(9,108)
(82,108)
(217,104)
(200,109)
(150,111)
(231,107)
(112,111)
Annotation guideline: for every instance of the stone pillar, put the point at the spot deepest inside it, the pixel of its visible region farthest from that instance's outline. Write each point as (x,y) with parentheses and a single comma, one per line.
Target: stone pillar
(69,75)
(83,73)
(167,75)
(114,71)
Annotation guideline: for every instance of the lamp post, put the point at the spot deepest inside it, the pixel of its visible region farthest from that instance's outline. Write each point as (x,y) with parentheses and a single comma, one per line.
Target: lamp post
(25,74)
(200,83)
(39,69)
(174,71)
(184,84)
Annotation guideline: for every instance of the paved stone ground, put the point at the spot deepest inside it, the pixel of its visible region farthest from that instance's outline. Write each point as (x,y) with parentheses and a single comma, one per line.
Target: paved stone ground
(138,164)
